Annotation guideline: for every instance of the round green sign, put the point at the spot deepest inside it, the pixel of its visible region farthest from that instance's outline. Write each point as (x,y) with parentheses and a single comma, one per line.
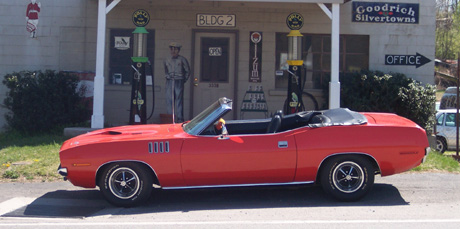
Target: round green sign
(141,18)
(294,21)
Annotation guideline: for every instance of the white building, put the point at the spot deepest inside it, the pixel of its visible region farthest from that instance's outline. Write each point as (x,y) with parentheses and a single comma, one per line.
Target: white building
(388,35)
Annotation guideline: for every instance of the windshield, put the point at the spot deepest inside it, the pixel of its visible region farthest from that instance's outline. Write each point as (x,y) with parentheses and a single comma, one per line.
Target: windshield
(208,116)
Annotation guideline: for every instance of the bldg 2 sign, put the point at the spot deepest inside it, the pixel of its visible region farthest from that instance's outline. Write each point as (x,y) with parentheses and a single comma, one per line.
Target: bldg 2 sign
(215,20)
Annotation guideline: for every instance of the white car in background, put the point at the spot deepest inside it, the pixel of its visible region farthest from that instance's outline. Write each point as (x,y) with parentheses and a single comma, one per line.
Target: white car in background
(449,99)
(446,130)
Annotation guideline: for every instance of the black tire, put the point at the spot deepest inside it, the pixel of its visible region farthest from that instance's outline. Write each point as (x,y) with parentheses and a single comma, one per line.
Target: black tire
(126,184)
(347,177)
(441,145)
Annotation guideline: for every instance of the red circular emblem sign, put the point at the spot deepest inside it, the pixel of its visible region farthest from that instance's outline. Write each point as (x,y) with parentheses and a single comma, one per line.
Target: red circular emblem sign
(256,37)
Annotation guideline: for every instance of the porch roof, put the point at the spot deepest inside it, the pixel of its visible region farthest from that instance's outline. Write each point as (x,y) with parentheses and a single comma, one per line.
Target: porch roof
(105,6)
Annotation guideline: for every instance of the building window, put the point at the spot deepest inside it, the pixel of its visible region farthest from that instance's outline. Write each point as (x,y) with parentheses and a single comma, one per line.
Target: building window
(121,51)
(354,56)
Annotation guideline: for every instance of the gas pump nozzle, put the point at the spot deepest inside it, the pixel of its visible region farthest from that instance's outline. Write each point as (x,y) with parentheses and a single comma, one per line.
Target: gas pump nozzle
(137,74)
(296,78)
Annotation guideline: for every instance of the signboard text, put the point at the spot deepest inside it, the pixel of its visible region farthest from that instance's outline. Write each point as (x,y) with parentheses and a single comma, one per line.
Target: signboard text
(215,20)
(380,12)
(407,60)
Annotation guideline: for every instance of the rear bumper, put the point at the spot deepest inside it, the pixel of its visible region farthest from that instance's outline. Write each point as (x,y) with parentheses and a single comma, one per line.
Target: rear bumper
(427,151)
(62,171)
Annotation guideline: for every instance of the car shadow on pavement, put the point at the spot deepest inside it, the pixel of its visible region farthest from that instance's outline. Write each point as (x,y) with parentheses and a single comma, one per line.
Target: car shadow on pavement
(86,203)
(63,203)
(266,197)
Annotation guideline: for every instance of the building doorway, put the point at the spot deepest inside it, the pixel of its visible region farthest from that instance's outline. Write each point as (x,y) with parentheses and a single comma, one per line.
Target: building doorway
(214,69)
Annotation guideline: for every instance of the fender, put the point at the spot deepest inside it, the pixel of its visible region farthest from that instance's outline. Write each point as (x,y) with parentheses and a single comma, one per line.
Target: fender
(373,161)
(96,176)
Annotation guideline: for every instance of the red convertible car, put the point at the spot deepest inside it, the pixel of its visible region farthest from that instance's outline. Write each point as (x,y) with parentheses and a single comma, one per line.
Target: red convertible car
(339,149)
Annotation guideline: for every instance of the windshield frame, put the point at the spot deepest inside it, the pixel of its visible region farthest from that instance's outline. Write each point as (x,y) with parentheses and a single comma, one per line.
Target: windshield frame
(208,116)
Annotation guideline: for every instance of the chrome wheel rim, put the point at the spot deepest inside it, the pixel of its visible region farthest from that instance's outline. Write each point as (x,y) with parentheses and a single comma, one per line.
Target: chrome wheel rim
(348,177)
(439,145)
(124,183)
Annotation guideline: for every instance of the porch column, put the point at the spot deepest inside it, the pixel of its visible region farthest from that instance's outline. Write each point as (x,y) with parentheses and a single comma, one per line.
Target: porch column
(334,85)
(97,120)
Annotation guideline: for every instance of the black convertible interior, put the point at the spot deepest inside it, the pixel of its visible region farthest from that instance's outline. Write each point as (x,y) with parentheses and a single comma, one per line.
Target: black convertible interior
(280,122)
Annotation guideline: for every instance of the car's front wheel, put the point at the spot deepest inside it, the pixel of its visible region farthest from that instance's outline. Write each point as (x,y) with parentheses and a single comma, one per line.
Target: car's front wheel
(441,145)
(126,184)
(347,177)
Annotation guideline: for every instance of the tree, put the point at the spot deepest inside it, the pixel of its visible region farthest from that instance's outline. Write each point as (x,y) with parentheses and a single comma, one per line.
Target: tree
(447,29)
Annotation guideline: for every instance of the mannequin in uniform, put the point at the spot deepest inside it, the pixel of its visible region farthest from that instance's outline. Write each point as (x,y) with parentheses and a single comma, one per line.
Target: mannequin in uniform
(177,70)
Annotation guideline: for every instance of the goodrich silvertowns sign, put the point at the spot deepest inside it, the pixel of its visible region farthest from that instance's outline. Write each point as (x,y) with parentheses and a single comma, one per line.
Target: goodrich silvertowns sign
(384,12)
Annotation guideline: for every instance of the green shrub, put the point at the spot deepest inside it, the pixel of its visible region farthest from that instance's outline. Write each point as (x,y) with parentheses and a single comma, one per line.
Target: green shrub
(371,91)
(418,104)
(43,101)
(375,91)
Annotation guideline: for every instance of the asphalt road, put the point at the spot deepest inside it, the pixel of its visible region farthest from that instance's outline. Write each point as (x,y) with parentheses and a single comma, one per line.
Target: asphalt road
(419,200)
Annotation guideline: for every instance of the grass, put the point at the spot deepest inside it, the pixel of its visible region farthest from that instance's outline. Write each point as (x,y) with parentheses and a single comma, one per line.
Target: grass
(34,158)
(437,162)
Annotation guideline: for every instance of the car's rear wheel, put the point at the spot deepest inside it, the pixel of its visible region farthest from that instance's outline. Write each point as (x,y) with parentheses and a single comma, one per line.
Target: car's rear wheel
(126,184)
(441,144)
(347,177)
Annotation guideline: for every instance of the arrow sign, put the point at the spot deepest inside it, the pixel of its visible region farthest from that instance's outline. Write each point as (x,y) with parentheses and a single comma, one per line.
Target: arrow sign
(407,60)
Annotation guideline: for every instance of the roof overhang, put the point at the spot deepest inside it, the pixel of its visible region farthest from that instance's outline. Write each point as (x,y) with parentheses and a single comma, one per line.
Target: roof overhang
(281,1)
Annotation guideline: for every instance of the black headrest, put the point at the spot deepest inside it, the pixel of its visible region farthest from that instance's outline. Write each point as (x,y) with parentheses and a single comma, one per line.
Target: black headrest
(274,124)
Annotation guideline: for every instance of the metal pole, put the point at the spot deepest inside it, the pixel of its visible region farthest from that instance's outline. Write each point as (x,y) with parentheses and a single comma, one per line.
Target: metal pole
(173,100)
(458,103)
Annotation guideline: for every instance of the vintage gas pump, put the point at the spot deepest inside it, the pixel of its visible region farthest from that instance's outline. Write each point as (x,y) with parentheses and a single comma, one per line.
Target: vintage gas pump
(138,114)
(295,62)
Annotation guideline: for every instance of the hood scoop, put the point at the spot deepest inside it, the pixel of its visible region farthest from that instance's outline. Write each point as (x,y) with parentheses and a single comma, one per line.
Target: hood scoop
(111,132)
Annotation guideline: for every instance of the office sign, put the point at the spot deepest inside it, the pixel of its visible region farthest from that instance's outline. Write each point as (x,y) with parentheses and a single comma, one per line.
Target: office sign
(416,60)
(215,20)
(385,12)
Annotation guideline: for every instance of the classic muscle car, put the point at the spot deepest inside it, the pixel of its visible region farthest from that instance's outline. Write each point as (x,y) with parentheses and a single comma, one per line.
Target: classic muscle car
(339,149)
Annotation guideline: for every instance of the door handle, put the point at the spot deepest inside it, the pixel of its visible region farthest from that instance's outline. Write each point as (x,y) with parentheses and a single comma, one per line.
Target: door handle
(223,137)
